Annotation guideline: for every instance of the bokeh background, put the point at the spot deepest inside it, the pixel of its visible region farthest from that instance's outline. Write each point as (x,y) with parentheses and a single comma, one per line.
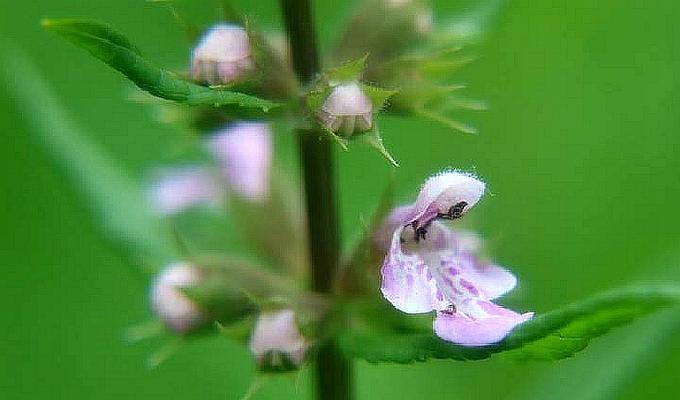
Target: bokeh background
(580,149)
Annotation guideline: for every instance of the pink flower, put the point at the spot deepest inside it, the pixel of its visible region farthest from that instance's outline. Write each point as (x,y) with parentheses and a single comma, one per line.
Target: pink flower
(171,306)
(181,188)
(222,56)
(276,335)
(244,153)
(428,267)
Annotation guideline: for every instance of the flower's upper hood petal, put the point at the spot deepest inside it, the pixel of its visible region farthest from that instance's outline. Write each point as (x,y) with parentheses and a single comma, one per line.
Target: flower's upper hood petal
(443,191)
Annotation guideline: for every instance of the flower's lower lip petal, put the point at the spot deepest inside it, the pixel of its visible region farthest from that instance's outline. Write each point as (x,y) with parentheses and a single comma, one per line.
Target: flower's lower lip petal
(467,331)
(492,280)
(409,292)
(406,281)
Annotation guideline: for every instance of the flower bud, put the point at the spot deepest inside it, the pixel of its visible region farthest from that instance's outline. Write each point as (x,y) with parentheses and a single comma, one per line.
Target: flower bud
(222,56)
(276,341)
(173,308)
(244,152)
(347,110)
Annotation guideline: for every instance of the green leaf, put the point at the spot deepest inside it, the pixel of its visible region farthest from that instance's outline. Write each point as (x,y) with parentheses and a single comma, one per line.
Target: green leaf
(105,185)
(551,336)
(111,47)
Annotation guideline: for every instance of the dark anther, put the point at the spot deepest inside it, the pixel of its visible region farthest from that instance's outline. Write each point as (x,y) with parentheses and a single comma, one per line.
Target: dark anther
(420,233)
(456,211)
(450,310)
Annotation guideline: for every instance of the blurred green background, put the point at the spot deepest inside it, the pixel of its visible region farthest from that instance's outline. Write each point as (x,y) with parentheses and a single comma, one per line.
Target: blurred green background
(579,148)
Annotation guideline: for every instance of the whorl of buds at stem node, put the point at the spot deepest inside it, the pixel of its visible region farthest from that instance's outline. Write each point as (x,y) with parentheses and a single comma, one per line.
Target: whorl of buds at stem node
(222,56)
(347,110)
(277,342)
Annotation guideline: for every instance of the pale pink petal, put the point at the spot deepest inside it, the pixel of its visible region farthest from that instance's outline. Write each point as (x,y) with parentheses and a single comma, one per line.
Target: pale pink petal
(443,191)
(395,220)
(493,280)
(477,323)
(244,152)
(178,189)
(467,241)
(278,332)
(171,306)
(407,283)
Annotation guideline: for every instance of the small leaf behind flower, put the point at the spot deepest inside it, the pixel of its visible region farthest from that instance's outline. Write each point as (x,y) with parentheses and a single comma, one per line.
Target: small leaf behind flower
(378,96)
(111,47)
(347,72)
(552,336)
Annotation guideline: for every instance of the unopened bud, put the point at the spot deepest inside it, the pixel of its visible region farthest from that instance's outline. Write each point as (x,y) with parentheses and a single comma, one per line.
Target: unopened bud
(222,56)
(277,342)
(347,110)
(174,308)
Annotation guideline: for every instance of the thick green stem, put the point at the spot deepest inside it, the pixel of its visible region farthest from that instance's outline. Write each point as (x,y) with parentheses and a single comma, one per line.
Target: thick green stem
(333,372)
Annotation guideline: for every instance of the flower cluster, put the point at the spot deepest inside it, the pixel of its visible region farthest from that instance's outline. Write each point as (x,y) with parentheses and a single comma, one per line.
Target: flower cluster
(428,266)
(238,87)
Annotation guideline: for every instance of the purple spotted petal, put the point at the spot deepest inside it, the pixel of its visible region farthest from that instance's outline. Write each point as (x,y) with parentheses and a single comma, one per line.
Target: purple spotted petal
(244,152)
(490,281)
(442,191)
(477,323)
(407,282)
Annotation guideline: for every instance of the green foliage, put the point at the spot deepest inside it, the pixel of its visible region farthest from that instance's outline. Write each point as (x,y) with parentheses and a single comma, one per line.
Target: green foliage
(111,47)
(106,186)
(552,336)
(378,96)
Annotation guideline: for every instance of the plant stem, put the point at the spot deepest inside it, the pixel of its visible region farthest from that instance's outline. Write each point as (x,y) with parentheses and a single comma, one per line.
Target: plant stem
(333,372)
